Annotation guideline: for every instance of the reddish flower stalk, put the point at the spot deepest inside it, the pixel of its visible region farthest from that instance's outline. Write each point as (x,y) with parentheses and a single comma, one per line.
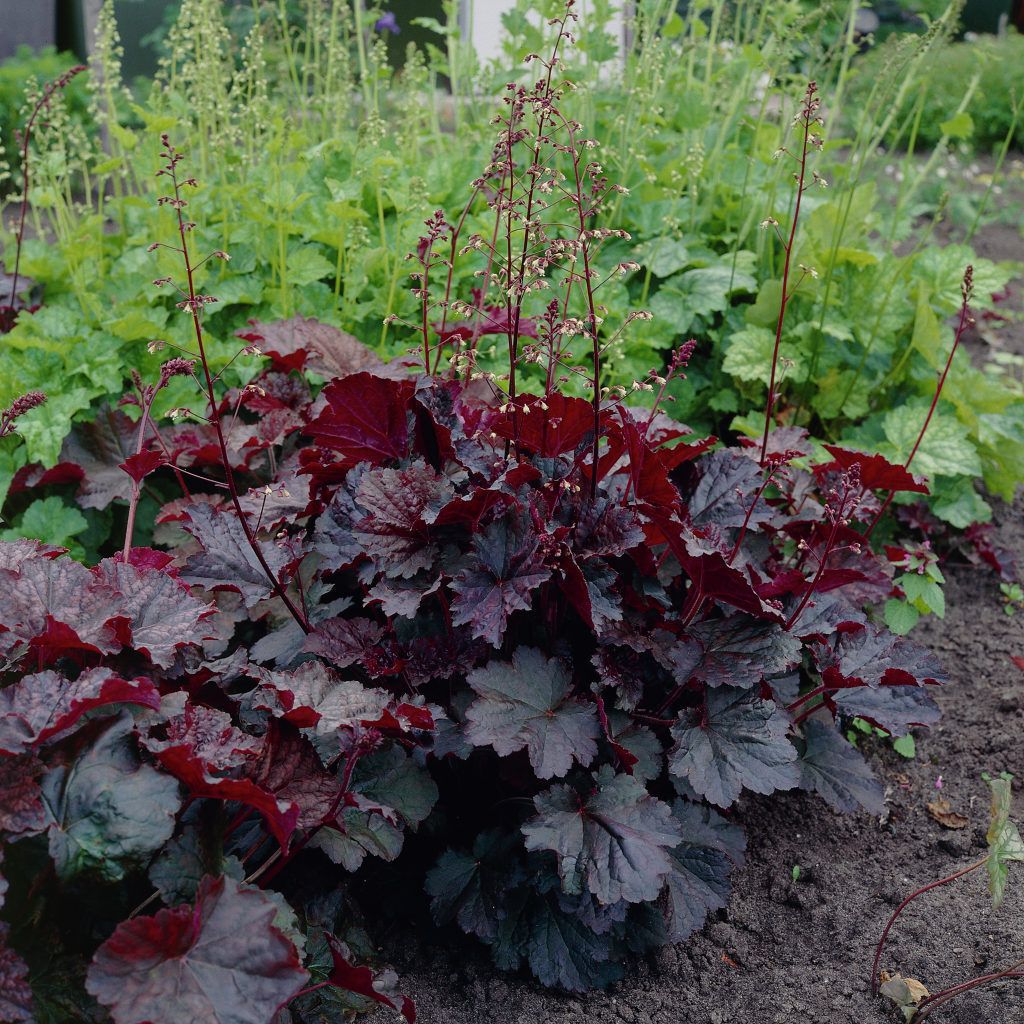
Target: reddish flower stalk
(966,290)
(193,304)
(175,367)
(7,321)
(910,899)
(808,117)
(838,513)
(30,400)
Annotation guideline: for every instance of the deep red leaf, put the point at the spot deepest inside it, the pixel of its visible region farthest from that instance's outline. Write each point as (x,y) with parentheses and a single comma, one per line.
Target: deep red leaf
(552,425)
(186,764)
(361,981)
(139,466)
(876,472)
(365,418)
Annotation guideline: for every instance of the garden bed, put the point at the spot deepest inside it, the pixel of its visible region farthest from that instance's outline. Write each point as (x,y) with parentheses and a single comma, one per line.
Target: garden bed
(785,952)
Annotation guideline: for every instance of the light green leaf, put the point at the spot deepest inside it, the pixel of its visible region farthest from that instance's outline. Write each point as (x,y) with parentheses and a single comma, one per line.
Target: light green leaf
(1004,841)
(960,126)
(956,502)
(307,264)
(749,354)
(945,450)
(48,520)
(663,256)
(900,617)
(45,428)
(905,745)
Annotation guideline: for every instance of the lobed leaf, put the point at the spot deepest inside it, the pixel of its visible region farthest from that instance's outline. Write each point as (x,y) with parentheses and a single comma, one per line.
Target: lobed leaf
(836,770)
(527,704)
(611,844)
(222,961)
(736,741)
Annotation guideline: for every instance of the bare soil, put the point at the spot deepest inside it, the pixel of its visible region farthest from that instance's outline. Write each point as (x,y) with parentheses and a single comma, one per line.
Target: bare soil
(788,952)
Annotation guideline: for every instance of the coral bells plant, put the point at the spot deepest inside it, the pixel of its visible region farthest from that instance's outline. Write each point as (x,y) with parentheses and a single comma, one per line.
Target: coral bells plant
(556,635)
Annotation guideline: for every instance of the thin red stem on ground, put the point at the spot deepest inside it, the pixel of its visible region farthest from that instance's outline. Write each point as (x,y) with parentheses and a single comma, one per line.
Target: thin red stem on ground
(903,906)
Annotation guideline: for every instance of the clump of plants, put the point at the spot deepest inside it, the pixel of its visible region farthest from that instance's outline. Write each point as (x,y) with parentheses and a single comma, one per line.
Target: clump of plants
(554,634)
(1004,848)
(992,64)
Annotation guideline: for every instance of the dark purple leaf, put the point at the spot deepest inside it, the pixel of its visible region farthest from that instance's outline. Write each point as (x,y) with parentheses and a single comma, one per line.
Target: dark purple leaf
(606,529)
(344,642)
(21,799)
(314,696)
(528,705)
(227,559)
(736,742)
(333,538)
(187,760)
(402,598)
(293,772)
(163,614)
(46,704)
(870,656)
(823,615)
(15,992)
(302,343)
(210,736)
(786,443)
(837,771)
(44,592)
(467,887)
(399,505)
(503,570)
(612,844)
(738,651)
(590,589)
(701,864)
(221,962)
(99,447)
(390,790)
(725,492)
(892,708)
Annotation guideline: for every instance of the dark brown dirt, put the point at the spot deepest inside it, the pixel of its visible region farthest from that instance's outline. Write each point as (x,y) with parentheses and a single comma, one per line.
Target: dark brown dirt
(800,953)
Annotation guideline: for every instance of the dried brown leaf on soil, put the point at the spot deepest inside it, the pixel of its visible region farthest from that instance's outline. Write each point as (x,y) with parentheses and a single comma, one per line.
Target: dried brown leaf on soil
(942,811)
